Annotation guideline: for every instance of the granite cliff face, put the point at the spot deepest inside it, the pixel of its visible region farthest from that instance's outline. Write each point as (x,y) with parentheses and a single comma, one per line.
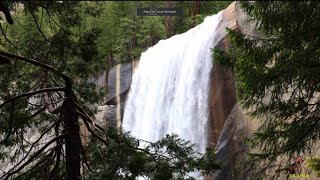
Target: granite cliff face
(227,126)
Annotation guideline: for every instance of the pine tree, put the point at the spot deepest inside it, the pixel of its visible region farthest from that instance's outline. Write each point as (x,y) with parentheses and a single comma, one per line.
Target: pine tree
(39,90)
(278,78)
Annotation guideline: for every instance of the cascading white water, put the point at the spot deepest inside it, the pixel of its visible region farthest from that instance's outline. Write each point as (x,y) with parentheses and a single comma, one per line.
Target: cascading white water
(169,90)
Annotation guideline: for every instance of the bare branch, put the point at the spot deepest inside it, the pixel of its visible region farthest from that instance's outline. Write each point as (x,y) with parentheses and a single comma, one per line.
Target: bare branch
(39,105)
(35,20)
(39,28)
(12,171)
(5,36)
(85,120)
(15,19)
(58,151)
(85,161)
(38,112)
(52,77)
(33,93)
(6,12)
(33,144)
(37,164)
(49,103)
(38,64)
(50,17)
(10,121)
(91,121)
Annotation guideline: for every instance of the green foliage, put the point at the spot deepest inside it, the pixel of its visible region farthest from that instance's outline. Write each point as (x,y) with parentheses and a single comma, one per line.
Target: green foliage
(53,34)
(127,158)
(278,76)
(125,35)
(182,23)
(152,30)
(314,164)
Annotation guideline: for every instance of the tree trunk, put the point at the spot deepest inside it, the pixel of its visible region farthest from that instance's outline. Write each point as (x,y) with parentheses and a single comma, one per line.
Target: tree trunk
(72,138)
(195,12)
(168,20)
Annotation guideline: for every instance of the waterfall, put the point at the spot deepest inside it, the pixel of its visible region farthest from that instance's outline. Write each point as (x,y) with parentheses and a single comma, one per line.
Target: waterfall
(169,90)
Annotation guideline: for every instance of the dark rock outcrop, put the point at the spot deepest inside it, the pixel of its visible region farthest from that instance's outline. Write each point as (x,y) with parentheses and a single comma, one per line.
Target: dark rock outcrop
(119,81)
(120,74)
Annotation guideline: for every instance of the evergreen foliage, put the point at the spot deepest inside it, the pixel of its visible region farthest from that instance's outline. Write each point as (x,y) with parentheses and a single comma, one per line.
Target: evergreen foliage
(125,35)
(314,164)
(278,79)
(128,158)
